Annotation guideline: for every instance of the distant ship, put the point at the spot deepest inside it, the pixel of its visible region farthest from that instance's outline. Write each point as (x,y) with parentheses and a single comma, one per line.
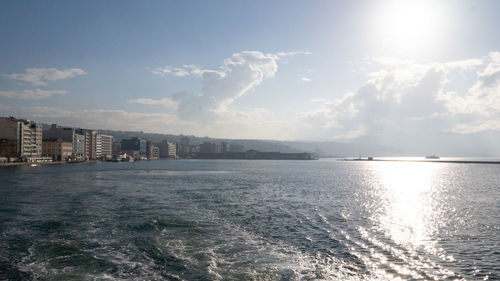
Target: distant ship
(432,157)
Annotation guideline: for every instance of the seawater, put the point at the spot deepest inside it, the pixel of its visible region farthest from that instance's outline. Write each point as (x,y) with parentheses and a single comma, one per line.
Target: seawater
(250,220)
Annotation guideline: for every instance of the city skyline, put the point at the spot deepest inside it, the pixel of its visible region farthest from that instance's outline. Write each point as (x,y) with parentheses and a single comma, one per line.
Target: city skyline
(380,71)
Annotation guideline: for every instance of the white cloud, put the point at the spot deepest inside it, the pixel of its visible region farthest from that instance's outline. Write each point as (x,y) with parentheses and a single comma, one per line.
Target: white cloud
(35,94)
(191,69)
(305,79)
(185,70)
(235,124)
(165,102)
(41,76)
(293,53)
(237,75)
(403,96)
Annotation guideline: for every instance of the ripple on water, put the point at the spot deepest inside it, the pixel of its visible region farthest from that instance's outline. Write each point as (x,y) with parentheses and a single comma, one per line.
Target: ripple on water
(250,220)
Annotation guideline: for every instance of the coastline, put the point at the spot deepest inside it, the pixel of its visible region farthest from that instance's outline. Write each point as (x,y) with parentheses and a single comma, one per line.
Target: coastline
(15,164)
(426,161)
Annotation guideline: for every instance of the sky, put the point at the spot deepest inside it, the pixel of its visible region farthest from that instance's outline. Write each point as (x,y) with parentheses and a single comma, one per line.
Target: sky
(284,70)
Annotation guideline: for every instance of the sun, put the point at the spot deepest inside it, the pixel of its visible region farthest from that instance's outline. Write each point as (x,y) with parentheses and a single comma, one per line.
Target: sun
(406,26)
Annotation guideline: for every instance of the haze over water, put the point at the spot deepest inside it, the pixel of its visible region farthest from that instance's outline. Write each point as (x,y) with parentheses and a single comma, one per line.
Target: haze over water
(250,220)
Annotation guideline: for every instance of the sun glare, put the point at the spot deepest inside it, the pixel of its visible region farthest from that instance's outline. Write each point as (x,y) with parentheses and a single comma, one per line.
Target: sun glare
(408,26)
(409,210)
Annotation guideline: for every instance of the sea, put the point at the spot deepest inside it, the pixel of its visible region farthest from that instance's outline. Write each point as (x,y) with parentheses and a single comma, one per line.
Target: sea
(250,220)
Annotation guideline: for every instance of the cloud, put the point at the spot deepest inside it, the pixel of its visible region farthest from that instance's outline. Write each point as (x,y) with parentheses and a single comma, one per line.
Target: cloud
(238,124)
(185,70)
(293,53)
(407,97)
(305,79)
(165,102)
(237,75)
(193,70)
(41,76)
(35,94)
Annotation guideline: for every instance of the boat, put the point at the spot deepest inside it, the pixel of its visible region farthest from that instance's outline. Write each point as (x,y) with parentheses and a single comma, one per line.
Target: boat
(432,157)
(76,160)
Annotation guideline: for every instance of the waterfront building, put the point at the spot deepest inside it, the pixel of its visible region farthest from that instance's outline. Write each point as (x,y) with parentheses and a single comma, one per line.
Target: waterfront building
(97,145)
(9,137)
(155,151)
(59,149)
(78,137)
(184,147)
(195,148)
(149,149)
(208,147)
(30,136)
(55,131)
(20,138)
(89,143)
(135,146)
(117,147)
(236,148)
(79,143)
(106,146)
(167,149)
(224,147)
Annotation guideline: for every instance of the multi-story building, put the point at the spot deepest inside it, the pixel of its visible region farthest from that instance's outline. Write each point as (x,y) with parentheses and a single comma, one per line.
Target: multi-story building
(79,145)
(208,147)
(9,137)
(59,149)
(97,144)
(30,139)
(90,139)
(149,149)
(155,153)
(184,147)
(135,146)
(194,148)
(20,138)
(78,137)
(167,149)
(236,148)
(117,147)
(224,147)
(106,146)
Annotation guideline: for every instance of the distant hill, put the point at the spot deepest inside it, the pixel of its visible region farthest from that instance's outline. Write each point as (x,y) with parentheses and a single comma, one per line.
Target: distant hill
(260,145)
(320,149)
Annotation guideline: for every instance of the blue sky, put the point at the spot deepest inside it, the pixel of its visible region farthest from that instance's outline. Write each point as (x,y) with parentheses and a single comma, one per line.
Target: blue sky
(316,70)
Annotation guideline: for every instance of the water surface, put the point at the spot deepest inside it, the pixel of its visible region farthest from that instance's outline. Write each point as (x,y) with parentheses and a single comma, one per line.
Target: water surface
(250,220)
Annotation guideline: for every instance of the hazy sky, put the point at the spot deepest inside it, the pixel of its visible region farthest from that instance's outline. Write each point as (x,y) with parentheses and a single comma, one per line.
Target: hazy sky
(316,70)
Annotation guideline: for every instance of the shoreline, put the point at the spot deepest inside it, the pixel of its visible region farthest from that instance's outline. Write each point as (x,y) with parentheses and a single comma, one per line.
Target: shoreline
(15,164)
(426,161)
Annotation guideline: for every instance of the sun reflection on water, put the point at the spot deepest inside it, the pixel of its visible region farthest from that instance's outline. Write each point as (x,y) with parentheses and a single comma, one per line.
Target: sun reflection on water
(407,210)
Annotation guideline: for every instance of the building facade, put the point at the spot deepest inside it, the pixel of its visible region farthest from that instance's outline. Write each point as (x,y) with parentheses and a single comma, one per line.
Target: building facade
(106,146)
(78,137)
(167,150)
(224,147)
(236,148)
(59,149)
(134,146)
(30,139)
(117,147)
(184,147)
(155,152)
(19,138)
(9,137)
(208,147)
